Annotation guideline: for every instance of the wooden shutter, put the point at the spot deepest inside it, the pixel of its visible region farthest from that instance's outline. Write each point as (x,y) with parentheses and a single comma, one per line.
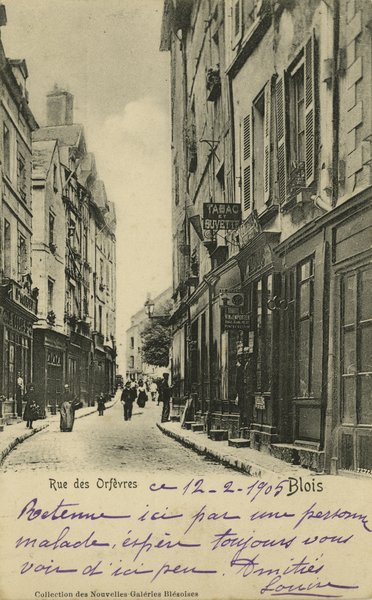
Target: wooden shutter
(267,141)
(281,134)
(236,22)
(310,110)
(247,166)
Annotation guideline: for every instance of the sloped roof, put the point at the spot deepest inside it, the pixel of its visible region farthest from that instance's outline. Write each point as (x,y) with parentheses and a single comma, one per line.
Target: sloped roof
(88,168)
(88,163)
(21,63)
(99,194)
(110,217)
(67,135)
(42,153)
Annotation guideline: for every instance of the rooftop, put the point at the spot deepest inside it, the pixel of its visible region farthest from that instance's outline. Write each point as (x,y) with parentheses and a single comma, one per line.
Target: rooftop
(67,135)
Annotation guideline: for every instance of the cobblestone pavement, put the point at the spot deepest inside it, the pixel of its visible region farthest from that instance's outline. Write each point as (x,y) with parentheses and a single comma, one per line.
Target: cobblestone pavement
(109,442)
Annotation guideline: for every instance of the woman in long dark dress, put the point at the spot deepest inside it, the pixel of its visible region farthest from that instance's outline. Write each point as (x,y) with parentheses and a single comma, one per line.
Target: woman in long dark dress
(67,410)
(142,394)
(31,412)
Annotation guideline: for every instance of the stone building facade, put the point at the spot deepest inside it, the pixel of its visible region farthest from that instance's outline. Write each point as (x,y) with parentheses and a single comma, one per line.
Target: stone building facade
(18,295)
(74,262)
(272,329)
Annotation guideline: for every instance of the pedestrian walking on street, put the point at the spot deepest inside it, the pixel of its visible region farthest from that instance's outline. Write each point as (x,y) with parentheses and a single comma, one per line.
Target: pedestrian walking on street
(19,393)
(101,404)
(164,397)
(142,394)
(153,391)
(31,412)
(68,407)
(128,396)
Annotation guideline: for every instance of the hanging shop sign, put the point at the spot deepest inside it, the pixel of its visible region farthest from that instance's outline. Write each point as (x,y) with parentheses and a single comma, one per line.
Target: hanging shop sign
(221,216)
(231,299)
(259,403)
(235,321)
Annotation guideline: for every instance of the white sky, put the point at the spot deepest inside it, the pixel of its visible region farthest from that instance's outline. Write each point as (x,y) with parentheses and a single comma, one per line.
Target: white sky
(106,52)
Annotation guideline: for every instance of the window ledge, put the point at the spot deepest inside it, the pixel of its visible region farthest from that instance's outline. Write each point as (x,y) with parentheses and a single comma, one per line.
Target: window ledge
(300,198)
(249,43)
(268,213)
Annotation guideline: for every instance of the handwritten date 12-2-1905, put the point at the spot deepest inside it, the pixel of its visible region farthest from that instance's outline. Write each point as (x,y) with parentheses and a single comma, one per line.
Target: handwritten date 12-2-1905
(288,486)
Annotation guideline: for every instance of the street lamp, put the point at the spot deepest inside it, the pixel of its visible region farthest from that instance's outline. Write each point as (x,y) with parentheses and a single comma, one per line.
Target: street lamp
(149,309)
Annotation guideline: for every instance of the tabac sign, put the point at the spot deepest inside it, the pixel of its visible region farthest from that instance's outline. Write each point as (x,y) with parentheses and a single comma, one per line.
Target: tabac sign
(217,216)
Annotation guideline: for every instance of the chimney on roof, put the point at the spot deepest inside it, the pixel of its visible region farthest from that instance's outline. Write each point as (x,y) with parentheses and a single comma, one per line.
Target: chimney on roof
(60,107)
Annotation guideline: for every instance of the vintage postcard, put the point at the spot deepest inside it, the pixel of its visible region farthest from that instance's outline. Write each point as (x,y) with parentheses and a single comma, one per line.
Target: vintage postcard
(185,299)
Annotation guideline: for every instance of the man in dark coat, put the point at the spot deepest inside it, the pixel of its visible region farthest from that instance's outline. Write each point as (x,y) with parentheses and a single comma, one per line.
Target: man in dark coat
(101,404)
(164,397)
(31,412)
(128,396)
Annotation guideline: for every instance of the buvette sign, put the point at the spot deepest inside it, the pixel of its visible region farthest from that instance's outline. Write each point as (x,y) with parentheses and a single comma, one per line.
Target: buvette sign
(224,216)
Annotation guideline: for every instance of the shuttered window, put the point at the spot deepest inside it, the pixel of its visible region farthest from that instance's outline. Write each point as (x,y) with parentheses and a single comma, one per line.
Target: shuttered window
(310,110)
(247,147)
(295,103)
(281,132)
(236,22)
(256,153)
(267,141)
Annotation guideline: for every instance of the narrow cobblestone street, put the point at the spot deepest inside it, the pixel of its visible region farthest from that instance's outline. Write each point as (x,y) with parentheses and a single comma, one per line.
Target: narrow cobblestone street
(108,442)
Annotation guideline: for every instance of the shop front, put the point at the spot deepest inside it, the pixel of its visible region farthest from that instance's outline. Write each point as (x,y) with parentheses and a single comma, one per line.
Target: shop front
(98,366)
(257,343)
(17,314)
(48,365)
(224,323)
(78,366)
(303,311)
(349,428)
(110,370)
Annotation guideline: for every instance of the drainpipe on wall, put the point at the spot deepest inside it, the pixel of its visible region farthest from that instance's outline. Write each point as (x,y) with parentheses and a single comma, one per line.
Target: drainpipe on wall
(186,187)
(335,102)
(210,352)
(331,461)
(211,281)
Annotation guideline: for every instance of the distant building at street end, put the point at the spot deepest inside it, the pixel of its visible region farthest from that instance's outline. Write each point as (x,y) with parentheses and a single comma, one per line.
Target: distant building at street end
(136,368)
(272,321)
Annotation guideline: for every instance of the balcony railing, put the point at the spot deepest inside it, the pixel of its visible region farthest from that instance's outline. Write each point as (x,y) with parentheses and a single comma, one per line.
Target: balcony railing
(296,179)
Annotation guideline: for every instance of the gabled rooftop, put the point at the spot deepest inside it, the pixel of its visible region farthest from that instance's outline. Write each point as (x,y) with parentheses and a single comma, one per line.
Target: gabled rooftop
(67,135)
(42,154)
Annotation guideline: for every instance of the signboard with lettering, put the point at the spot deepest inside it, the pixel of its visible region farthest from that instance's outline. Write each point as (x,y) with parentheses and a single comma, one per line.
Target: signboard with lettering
(23,299)
(235,321)
(221,216)
(259,403)
(17,322)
